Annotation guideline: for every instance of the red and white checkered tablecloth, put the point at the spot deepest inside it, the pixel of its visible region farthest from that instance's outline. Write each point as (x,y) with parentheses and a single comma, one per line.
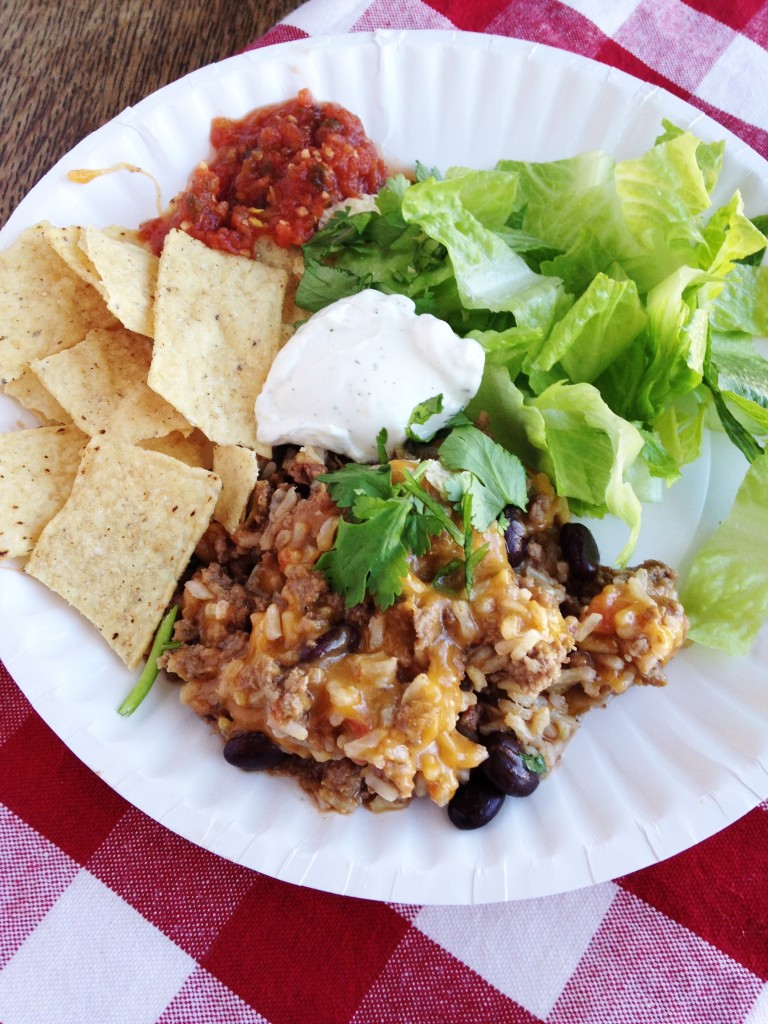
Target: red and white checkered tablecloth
(106,917)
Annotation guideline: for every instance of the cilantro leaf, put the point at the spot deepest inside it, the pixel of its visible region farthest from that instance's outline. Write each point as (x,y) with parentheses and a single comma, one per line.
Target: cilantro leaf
(345,484)
(321,285)
(381,445)
(418,531)
(421,414)
(380,249)
(369,555)
(410,484)
(471,558)
(386,520)
(446,578)
(342,229)
(534,763)
(425,173)
(498,477)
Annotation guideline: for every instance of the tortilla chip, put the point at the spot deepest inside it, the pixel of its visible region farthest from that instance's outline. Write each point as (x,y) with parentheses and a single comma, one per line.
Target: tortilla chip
(102,384)
(67,243)
(195,449)
(30,392)
(45,307)
(127,273)
(217,330)
(123,538)
(291,260)
(239,471)
(37,469)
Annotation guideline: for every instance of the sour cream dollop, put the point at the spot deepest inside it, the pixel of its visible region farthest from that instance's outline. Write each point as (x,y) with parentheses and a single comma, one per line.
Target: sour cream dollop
(363,363)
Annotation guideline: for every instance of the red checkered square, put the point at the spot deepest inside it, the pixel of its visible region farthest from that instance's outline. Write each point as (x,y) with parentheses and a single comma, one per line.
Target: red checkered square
(659,33)
(642,968)
(187,892)
(735,13)
(278,34)
(610,52)
(33,874)
(54,792)
(718,889)
(471,17)
(287,949)
(204,1000)
(424,984)
(15,707)
(757,26)
(550,22)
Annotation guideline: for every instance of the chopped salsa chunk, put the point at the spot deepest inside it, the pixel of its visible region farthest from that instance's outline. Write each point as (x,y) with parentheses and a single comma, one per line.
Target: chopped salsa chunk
(273,172)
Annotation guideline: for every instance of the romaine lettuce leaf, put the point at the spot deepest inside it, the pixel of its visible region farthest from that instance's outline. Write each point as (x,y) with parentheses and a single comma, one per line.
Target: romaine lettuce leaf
(558,197)
(570,433)
(591,450)
(742,303)
(677,340)
(740,367)
(740,374)
(729,236)
(489,275)
(594,332)
(726,591)
(488,195)
(709,155)
(679,428)
(663,186)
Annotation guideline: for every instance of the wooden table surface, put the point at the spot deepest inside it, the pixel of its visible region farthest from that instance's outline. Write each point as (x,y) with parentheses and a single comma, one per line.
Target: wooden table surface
(68,66)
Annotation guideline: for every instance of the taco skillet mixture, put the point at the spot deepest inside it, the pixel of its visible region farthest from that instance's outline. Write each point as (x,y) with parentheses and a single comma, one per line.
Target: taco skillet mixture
(407,612)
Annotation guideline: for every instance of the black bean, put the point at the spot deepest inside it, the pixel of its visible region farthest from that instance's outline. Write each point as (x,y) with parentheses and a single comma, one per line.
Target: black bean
(253,752)
(334,643)
(580,550)
(505,766)
(475,802)
(514,535)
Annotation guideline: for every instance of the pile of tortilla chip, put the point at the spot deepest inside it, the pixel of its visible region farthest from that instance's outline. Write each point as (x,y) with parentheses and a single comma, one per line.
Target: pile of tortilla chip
(143,372)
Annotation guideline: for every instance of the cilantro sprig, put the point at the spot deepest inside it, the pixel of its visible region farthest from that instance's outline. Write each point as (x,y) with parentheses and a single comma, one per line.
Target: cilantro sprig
(496,476)
(386,519)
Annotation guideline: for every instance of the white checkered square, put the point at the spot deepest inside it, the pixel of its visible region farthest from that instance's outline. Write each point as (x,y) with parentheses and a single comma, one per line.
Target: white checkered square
(59,974)
(759,1012)
(643,967)
(323,17)
(608,15)
(659,33)
(202,999)
(737,82)
(392,14)
(528,950)
(33,874)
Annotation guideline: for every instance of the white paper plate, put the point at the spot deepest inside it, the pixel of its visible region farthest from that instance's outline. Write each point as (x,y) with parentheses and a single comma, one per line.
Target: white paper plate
(658,770)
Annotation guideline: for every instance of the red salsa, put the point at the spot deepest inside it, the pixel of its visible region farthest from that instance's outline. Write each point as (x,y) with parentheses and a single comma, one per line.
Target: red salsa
(274,172)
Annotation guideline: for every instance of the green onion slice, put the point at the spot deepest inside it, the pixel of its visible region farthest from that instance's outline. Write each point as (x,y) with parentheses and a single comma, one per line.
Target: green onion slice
(161,644)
